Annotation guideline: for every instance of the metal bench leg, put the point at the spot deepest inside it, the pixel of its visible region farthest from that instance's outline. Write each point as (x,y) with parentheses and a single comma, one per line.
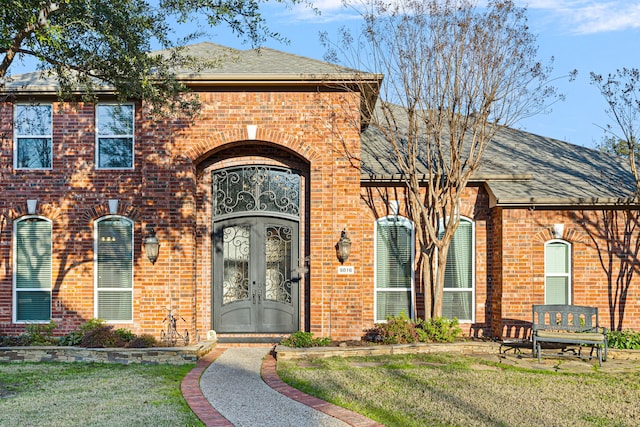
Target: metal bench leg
(539,351)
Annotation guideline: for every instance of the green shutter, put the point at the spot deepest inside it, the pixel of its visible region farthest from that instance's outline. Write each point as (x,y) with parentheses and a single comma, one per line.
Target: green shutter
(394,264)
(115,270)
(33,270)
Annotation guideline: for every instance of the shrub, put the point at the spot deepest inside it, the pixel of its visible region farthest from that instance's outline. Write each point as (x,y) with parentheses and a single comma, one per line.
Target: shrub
(91,325)
(40,334)
(402,330)
(438,329)
(302,339)
(142,341)
(397,330)
(125,334)
(624,340)
(71,339)
(102,337)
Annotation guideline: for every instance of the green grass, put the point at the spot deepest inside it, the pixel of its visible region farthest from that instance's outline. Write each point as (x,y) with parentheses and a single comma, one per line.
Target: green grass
(90,394)
(454,390)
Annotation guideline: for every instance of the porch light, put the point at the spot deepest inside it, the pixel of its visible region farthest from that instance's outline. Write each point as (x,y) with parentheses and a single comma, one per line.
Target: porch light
(151,245)
(343,247)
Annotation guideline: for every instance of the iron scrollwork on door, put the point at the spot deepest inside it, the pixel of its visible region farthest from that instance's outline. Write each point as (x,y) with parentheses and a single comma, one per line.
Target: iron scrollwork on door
(278,260)
(256,189)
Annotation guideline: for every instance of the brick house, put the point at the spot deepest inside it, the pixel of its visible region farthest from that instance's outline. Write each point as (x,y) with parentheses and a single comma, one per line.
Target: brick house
(249,199)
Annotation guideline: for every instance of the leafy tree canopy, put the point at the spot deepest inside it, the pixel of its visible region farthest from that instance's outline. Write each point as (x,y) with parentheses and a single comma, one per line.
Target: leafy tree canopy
(86,43)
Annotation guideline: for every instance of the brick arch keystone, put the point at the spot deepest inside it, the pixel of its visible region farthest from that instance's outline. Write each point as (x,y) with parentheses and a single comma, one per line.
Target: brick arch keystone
(216,140)
(571,235)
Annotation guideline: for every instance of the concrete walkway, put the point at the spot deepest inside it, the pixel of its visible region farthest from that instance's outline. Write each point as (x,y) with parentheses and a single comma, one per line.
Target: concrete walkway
(240,387)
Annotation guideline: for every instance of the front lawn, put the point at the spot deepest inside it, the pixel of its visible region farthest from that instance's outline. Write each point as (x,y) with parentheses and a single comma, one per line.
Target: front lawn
(454,390)
(91,394)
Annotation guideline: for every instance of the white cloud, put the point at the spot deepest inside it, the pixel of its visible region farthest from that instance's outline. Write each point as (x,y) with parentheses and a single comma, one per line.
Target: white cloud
(589,16)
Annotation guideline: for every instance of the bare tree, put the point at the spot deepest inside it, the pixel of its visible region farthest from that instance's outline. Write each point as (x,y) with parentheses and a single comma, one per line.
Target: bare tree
(621,91)
(455,74)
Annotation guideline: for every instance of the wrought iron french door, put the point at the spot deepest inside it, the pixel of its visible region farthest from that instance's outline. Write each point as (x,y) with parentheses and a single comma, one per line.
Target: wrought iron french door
(255,279)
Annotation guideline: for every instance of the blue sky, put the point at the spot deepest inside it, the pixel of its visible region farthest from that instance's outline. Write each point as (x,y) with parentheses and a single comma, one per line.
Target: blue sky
(586,35)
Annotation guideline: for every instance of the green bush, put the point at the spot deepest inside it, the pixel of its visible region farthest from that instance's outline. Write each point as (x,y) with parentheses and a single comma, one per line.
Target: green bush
(624,340)
(125,334)
(71,339)
(102,337)
(438,329)
(402,330)
(40,334)
(302,339)
(397,330)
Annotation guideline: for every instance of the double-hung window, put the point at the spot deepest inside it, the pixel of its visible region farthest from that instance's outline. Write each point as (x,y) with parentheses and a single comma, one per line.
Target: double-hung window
(32,270)
(557,272)
(394,245)
(459,276)
(33,147)
(114,136)
(114,269)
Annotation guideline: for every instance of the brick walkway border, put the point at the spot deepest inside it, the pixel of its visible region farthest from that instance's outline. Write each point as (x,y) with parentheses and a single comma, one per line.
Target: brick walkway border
(212,418)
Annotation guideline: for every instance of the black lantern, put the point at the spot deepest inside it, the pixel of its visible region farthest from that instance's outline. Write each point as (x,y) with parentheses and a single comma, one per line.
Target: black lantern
(151,246)
(343,247)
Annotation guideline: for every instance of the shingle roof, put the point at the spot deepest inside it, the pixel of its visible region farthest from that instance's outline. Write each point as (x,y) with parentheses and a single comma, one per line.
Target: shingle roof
(225,65)
(523,169)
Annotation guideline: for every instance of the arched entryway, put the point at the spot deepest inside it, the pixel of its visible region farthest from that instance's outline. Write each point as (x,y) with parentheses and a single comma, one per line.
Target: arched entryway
(255,241)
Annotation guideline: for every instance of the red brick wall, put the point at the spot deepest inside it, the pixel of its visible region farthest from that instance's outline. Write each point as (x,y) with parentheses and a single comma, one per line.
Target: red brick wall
(597,251)
(169,190)
(310,131)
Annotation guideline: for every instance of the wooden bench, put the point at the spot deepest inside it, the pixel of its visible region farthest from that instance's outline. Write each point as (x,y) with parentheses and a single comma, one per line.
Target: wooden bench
(568,324)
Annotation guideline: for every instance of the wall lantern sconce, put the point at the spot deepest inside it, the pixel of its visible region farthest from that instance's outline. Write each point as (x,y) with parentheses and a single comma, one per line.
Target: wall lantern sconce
(343,247)
(151,245)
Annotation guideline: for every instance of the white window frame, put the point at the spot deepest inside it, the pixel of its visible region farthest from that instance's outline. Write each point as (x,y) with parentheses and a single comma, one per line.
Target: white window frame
(472,289)
(409,224)
(17,136)
(567,274)
(99,136)
(16,291)
(96,271)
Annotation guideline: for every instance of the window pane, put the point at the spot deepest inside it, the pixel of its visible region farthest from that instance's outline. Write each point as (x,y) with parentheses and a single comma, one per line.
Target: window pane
(115,119)
(33,306)
(392,303)
(115,305)
(457,304)
(34,153)
(33,254)
(459,270)
(557,258)
(394,261)
(115,256)
(115,152)
(557,290)
(33,120)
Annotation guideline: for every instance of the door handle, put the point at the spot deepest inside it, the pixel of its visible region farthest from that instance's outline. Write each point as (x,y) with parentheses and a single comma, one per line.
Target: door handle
(253,296)
(259,297)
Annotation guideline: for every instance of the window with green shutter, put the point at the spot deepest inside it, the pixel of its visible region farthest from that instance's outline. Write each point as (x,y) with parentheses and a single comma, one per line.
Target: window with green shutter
(394,245)
(459,277)
(114,269)
(557,267)
(32,270)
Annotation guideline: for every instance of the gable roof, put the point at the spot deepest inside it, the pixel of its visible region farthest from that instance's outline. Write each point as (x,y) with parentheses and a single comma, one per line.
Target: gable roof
(224,66)
(527,170)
